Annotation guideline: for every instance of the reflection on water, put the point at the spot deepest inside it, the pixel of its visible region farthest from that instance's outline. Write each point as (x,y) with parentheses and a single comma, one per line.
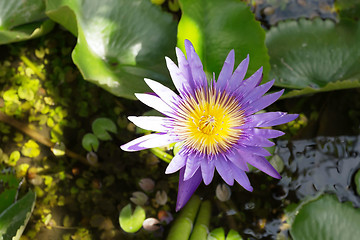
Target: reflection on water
(311,167)
(272,11)
(324,164)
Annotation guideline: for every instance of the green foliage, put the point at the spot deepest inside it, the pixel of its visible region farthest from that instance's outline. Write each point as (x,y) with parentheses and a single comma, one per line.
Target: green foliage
(90,142)
(217,234)
(10,184)
(22,20)
(182,226)
(131,221)
(119,42)
(30,149)
(357,182)
(14,218)
(217,26)
(325,218)
(101,127)
(314,55)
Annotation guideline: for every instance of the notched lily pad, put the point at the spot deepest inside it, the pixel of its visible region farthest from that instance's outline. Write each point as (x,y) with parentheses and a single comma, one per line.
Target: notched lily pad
(101,127)
(131,221)
(90,142)
(314,55)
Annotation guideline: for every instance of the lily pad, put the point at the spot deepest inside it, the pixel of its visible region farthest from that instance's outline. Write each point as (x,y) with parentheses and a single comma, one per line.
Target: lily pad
(314,55)
(119,42)
(90,142)
(22,20)
(101,127)
(217,26)
(131,221)
(326,218)
(14,219)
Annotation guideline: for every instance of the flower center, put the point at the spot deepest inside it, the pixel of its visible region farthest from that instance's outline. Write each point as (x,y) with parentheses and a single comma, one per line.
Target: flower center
(208,122)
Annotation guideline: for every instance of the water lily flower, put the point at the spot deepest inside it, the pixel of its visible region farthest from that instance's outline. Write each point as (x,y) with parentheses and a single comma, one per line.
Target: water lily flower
(214,121)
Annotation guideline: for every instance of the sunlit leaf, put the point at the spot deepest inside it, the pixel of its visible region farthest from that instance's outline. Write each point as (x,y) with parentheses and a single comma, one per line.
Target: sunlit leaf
(22,20)
(217,234)
(233,235)
(314,55)
(131,221)
(30,149)
(119,42)
(217,26)
(326,218)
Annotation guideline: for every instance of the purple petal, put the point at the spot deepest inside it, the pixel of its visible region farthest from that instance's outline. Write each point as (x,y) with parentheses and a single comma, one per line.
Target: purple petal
(241,177)
(250,139)
(249,84)
(223,168)
(192,165)
(263,119)
(239,160)
(281,120)
(196,67)
(176,163)
(226,70)
(152,123)
(149,141)
(178,77)
(167,95)
(267,133)
(156,103)
(253,150)
(258,92)
(183,64)
(187,188)
(239,74)
(262,102)
(263,165)
(207,170)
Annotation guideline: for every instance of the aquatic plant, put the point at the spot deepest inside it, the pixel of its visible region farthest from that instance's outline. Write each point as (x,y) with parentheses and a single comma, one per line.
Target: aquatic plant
(215,122)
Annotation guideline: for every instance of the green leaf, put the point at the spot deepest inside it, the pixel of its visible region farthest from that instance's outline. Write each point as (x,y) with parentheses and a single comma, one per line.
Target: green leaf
(7,197)
(131,222)
(357,182)
(14,219)
(314,56)
(119,42)
(90,142)
(30,149)
(22,20)
(217,26)
(217,234)
(325,218)
(101,126)
(348,8)
(233,235)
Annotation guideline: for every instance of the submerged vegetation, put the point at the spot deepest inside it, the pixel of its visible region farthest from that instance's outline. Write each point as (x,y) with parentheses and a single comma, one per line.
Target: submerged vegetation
(68,74)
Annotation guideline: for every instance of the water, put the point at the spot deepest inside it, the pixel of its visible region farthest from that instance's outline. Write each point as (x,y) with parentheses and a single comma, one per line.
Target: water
(311,167)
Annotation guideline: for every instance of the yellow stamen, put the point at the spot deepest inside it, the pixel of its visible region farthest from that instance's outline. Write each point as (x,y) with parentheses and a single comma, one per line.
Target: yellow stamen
(207,121)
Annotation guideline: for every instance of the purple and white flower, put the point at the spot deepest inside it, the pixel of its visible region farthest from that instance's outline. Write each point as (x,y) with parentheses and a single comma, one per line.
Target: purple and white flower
(215,122)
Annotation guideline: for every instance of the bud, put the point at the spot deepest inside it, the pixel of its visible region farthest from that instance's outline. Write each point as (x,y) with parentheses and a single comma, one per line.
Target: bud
(161,197)
(139,198)
(151,224)
(147,184)
(223,192)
